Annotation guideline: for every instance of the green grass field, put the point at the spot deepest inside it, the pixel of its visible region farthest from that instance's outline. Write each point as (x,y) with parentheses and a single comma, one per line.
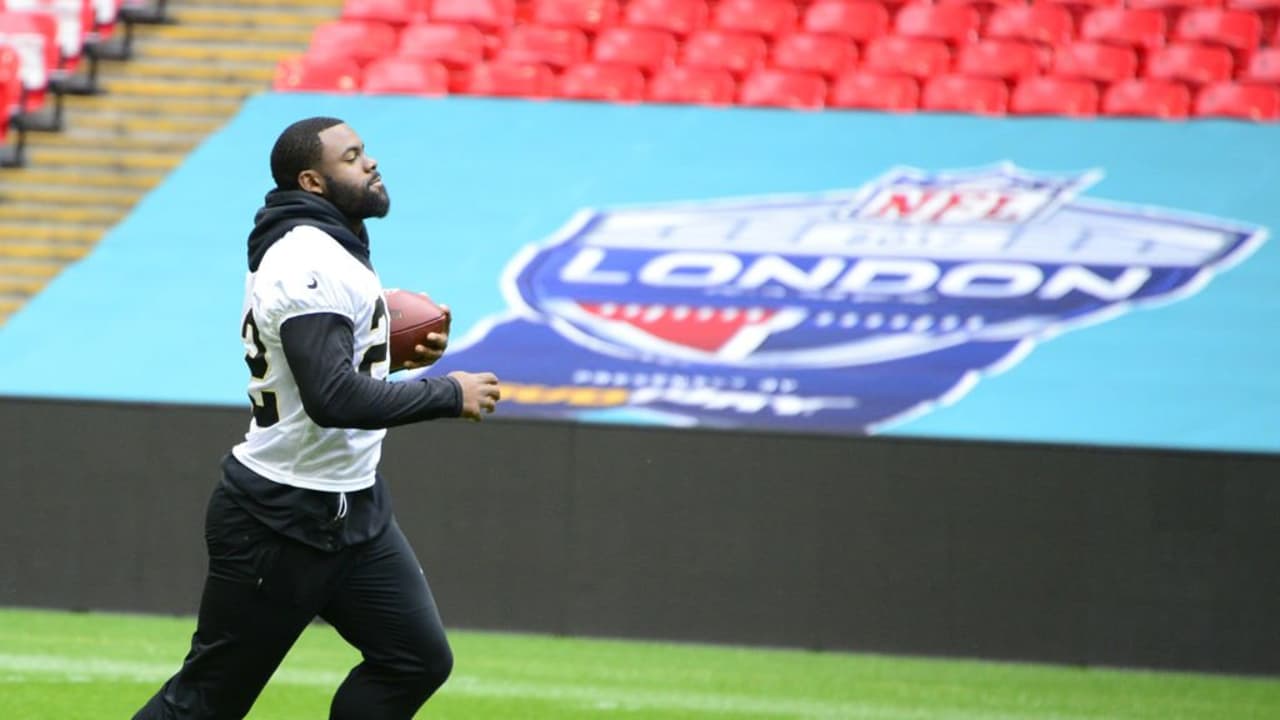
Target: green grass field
(68,666)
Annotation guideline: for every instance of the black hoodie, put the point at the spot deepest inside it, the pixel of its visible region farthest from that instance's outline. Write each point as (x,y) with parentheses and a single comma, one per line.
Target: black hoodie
(319,348)
(285,210)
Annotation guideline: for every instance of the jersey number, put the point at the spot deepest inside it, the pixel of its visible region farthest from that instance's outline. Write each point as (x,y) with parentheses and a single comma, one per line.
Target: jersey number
(376,353)
(266,412)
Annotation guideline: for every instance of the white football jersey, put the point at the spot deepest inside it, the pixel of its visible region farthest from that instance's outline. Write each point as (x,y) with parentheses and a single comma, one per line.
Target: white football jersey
(306,272)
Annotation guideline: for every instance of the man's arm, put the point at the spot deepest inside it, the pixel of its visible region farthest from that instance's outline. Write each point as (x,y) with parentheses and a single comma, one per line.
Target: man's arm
(319,348)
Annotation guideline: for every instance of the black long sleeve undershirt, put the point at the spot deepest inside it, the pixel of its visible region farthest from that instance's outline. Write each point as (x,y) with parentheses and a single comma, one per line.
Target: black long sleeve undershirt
(319,348)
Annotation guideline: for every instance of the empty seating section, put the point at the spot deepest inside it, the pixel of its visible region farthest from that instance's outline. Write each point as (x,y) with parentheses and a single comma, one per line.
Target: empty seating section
(1170,59)
(10,89)
(51,48)
(33,36)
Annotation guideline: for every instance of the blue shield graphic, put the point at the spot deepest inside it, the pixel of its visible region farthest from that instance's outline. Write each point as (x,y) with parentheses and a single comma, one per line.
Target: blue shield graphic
(840,312)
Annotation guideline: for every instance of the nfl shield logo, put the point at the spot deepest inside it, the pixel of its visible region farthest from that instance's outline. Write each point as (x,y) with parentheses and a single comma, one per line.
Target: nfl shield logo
(841,311)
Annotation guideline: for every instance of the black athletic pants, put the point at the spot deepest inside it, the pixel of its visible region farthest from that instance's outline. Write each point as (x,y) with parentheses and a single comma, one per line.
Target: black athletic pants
(263,589)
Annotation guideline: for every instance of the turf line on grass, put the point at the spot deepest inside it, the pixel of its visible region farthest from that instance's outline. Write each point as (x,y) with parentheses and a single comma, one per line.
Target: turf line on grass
(24,667)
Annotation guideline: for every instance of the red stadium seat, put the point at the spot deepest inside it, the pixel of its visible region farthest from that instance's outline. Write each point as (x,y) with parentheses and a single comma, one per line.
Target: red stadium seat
(736,52)
(1079,8)
(360,41)
(537,44)
(396,12)
(485,14)
(856,20)
(1173,9)
(771,87)
(1245,102)
(10,106)
(1235,29)
(1044,24)
(965,94)
(984,7)
(955,24)
(1172,6)
(399,75)
(10,81)
(681,17)
(693,85)
(1147,98)
(1119,26)
(72,20)
(454,45)
(1003,59)
(763,17)
(34,37)
(1267,10)
(827,55)
(1190,63)
(106,17)
(869,91)
(9,156)
(645,48)
(1096,62)
(1054,96)
(916,57)
(1263,67)
(594,81)
(317,73)
(588,15)
(508,79)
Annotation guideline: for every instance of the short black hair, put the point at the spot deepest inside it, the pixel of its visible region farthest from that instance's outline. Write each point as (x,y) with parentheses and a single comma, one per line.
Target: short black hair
(298,148)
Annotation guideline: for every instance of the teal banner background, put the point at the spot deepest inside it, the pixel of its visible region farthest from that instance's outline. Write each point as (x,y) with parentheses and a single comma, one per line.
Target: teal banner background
(152,314)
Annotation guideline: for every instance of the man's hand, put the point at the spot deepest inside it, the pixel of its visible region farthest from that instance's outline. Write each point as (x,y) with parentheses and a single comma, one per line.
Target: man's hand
(480,393)
(429,352)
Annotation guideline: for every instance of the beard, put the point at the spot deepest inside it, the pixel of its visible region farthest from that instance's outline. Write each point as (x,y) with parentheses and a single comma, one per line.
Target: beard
(358,202)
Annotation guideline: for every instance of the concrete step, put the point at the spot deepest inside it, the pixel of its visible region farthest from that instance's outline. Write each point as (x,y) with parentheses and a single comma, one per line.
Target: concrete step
(68,196)
(9,306)
(29,269)
(139,124)
(253,17)
(186,90)
(34,235)
(214,33)
(18,249)
(92,139)
(333,6)
(79,177)
(53,214)
(77,158)
(21,286)
(154,107)
(216,52)
(217,70)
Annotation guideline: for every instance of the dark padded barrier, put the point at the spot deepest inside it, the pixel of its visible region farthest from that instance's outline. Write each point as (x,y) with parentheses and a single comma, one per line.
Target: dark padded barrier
(1051,553)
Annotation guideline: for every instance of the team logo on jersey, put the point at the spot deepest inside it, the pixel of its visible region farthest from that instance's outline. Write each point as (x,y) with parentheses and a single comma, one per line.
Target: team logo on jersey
(842,311)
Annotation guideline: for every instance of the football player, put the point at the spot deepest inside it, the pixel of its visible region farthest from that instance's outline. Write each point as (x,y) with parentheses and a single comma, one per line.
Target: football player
(301,524)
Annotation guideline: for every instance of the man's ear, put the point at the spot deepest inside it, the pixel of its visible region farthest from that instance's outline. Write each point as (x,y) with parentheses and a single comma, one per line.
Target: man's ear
(311,181)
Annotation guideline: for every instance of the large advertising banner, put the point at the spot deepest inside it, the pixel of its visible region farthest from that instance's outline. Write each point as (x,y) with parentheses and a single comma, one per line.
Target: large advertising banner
(1105,282)
(844,312)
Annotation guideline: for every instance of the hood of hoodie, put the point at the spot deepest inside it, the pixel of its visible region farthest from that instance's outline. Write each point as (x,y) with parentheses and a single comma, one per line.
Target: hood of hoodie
(283,210)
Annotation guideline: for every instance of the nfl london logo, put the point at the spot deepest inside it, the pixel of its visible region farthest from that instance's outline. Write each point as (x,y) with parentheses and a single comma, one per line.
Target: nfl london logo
(840,312)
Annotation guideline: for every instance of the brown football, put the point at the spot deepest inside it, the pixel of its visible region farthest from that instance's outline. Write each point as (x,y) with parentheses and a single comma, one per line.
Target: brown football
(413,317)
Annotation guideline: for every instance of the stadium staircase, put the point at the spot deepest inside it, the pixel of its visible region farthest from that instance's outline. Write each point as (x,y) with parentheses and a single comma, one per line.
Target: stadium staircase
(183,81)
